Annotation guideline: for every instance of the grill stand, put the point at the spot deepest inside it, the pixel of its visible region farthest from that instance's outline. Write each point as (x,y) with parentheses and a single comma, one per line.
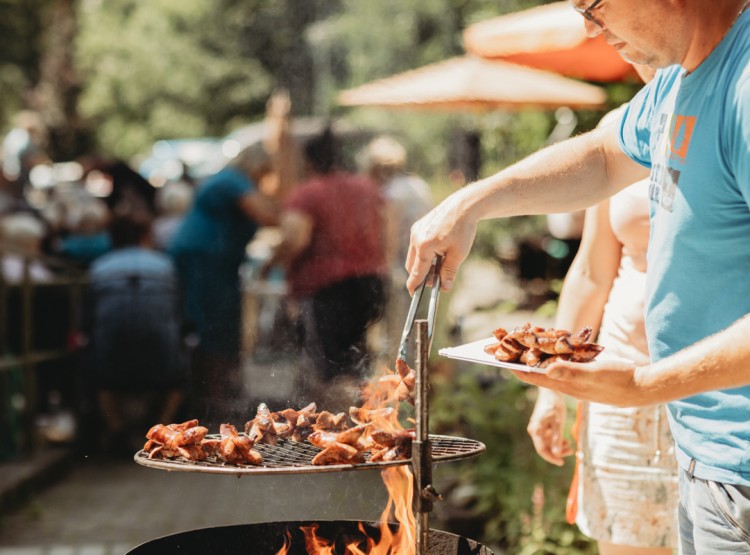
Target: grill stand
(421,450)
(291,457)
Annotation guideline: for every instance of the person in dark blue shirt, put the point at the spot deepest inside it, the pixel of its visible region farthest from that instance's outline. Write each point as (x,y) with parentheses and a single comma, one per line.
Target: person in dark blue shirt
(209,247)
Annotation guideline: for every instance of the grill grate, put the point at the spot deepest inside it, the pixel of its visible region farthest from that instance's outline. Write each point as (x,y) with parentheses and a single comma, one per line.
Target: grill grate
(292,457)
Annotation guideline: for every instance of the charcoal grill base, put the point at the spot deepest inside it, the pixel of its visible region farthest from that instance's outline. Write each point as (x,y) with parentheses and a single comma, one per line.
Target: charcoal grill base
(268,538)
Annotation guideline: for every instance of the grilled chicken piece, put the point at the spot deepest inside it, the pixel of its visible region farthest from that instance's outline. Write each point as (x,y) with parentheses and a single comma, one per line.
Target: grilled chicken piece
(363,416)
(391,445)
(261,428)
(176,440)
(189,452)
(400,450)
(508,350)
(582,335)
(338,453)
(499,333)
(586,352)
(406,390)
(294,424)
(330,422)
(304,427)
(387,438)
(387,454)
(322,439)
(352,436)
(396,386)
(232,447)
(531,357)
(175,435)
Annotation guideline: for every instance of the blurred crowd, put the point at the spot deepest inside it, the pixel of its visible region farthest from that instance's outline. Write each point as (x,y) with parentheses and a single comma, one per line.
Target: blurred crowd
(161,333)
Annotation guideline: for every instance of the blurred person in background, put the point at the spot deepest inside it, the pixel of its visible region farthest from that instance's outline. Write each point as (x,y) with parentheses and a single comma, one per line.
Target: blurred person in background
(208,248)
(85,236)
(172,203)
(625,461)
(407,198)
(11,200)
(24,147)
(127,189)
(21,236)
(136,357)
(333,254)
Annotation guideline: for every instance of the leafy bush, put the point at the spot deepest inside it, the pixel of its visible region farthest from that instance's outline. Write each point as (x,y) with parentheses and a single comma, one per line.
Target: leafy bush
(508,495)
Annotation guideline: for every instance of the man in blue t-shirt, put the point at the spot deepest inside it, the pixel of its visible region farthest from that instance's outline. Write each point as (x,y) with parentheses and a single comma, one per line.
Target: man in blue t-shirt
(689,132)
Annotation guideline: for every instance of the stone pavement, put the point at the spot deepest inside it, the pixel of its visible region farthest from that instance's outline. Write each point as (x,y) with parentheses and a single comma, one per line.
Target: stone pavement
(106,507)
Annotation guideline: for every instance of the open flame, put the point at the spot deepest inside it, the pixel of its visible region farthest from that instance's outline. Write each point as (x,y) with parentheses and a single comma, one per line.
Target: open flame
(398,480)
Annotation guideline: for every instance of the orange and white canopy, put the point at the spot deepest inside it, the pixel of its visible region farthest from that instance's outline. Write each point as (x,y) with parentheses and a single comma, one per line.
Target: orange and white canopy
(550,37)
(474,83)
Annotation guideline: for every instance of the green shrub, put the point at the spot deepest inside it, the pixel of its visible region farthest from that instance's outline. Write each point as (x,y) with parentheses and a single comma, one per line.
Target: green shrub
(508,494)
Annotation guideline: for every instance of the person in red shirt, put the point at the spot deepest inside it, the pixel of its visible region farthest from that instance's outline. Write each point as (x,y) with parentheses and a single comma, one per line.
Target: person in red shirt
(333,252)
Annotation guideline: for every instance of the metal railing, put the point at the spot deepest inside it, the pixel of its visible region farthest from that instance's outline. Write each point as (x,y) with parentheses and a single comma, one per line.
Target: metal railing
(23,317)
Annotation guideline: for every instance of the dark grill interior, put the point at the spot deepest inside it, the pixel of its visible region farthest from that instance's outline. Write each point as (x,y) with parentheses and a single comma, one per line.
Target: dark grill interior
(296,457)
(268,538)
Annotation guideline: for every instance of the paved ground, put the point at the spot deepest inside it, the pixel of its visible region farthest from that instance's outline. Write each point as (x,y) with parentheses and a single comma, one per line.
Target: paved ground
(107,507)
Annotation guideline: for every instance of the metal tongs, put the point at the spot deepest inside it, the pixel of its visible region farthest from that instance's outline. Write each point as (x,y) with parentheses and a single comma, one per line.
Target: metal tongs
(434,273)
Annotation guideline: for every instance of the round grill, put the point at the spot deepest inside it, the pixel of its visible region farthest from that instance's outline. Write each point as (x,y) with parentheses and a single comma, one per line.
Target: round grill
(292,457)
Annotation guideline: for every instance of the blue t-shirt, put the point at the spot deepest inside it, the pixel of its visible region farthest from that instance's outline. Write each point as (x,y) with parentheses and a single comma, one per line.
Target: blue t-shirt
(135,321)
(215,223)
(693,131)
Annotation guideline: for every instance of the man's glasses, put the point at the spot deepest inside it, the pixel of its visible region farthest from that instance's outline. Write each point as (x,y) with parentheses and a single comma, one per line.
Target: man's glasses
(586,12)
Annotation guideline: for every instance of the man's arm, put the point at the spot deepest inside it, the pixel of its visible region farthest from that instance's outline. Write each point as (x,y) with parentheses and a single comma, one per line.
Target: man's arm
(567,176)
(721,361)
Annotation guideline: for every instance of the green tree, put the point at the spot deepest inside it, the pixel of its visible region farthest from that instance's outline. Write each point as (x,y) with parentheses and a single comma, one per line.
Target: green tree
(20,45)
(37,70)
(166,69)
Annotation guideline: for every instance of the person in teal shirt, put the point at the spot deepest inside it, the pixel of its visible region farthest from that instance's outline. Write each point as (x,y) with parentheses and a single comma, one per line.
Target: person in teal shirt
(209,248)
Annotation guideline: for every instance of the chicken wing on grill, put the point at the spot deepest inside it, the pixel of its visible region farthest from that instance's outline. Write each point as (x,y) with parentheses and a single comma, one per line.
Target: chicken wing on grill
(232,447)
(176,440)
(392,445)
(261,429)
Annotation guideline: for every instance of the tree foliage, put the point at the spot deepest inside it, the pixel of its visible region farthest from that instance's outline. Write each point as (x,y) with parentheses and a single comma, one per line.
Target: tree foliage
(20,32)
(185,68)
(165,69)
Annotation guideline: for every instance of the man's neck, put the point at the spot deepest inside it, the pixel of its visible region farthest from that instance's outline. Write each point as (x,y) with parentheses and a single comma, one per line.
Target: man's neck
(713,20)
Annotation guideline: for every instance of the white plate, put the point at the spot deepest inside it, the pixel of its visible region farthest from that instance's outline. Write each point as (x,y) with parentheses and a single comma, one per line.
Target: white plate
(474,352)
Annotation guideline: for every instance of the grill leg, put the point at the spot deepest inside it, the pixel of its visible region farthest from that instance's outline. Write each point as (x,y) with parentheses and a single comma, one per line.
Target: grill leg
(421,451)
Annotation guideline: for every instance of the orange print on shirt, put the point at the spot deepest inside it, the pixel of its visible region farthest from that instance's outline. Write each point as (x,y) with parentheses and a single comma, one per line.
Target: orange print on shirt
(682,132)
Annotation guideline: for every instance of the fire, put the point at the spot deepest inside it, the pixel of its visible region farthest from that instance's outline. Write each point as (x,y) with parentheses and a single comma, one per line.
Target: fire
(398,480)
